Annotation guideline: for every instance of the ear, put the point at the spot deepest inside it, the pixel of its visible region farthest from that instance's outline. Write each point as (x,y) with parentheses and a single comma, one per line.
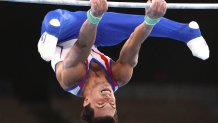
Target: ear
(85,102)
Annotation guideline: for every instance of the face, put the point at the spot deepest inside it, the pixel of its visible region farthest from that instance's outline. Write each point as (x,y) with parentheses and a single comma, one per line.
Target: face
(102,100)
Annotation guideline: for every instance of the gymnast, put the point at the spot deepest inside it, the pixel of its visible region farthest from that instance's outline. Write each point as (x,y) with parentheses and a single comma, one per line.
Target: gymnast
(84,71)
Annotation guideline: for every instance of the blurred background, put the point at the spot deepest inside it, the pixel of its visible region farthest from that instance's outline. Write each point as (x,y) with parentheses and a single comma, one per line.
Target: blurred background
(169,85)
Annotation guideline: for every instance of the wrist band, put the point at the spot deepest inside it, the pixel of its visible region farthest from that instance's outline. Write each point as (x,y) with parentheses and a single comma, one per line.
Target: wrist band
(150,21)
(92,19)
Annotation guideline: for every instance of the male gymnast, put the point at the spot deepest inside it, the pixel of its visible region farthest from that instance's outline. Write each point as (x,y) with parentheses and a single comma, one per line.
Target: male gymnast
(84,71)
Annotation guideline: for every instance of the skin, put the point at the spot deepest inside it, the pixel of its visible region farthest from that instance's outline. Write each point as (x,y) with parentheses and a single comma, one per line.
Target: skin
(97,90)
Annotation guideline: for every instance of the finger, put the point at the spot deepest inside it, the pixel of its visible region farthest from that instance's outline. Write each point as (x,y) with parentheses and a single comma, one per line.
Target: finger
(96,6)
(101,4)
(151,5)
(163,7)
(149,1)
(92,4)
(106,4)
(97,3)
(160,6)
(155,5)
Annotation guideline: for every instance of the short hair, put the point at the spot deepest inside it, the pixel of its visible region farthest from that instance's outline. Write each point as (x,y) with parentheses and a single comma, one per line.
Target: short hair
(87,116)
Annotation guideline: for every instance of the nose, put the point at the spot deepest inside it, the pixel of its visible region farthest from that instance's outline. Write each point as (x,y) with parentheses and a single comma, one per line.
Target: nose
(107,95)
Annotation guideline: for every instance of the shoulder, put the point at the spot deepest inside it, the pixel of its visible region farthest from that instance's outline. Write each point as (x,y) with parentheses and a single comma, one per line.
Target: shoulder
(70,76)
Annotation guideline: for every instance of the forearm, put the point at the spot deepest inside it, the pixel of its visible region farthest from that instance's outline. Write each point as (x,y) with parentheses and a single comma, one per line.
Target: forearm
(87,35)
(140,33)
(130,50)
(81,49)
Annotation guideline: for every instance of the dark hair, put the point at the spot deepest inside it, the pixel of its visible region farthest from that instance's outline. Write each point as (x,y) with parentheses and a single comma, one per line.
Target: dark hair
(87,116)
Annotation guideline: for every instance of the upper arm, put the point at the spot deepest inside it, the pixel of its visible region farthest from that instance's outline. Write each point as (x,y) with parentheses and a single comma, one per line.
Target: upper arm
(67,77)
(128,59)
(72,69)
(122,73)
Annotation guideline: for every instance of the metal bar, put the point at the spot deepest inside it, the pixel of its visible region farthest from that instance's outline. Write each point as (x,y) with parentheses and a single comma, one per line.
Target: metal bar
(122,4)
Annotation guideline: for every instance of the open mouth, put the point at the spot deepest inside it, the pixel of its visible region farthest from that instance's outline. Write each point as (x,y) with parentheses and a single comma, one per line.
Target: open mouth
(105,90)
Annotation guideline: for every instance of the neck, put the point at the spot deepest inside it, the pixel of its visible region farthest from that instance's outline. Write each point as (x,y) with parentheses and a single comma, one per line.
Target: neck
(95,79)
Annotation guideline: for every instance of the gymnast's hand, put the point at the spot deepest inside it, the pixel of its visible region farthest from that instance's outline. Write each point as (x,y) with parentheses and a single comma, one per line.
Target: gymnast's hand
(98,7)
(157,9)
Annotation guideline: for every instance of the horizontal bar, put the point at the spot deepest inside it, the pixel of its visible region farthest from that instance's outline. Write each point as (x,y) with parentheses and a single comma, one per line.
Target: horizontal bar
(122,4)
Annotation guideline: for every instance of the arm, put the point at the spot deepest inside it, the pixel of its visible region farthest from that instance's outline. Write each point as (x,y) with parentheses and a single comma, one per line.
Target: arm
(123,68)
(72,69)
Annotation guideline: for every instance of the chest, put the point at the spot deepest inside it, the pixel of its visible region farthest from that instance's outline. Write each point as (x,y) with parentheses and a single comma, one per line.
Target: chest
(97,73)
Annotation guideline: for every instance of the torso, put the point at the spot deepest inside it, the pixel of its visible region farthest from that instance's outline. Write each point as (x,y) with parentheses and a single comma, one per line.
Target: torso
(98,69)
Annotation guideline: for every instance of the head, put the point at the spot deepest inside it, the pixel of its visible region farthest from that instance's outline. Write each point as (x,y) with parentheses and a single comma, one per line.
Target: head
(87,116)
(99,106)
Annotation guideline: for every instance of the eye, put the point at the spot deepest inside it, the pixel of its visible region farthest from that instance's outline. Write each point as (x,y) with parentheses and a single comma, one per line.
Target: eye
(113,105)
(100,104)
